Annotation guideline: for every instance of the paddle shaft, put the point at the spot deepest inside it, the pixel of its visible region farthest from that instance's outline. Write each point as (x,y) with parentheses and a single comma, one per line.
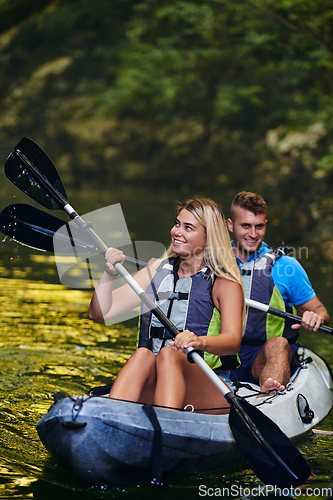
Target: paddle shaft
(283,314)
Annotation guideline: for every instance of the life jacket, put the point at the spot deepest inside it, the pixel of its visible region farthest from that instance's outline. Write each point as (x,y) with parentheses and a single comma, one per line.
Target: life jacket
(259,285)
(188,303)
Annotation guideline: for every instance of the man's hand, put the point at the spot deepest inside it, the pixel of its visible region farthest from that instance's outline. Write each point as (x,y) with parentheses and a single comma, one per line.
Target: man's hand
(314,314)
(310,321)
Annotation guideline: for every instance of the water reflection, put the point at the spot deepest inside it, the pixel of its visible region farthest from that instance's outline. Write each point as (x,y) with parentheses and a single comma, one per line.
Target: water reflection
(49,345)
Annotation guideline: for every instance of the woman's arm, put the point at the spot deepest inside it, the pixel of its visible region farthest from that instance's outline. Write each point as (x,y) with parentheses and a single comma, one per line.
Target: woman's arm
(228,299)
(107,303)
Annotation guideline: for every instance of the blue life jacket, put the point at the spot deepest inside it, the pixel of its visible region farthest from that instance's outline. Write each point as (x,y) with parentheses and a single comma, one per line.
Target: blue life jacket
(188,303)
(259,285)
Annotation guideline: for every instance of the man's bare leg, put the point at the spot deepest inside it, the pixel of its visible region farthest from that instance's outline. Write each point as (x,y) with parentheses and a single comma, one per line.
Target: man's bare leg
(271,367)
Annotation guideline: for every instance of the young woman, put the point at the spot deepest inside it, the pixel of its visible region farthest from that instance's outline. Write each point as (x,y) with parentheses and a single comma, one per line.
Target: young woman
(198,286)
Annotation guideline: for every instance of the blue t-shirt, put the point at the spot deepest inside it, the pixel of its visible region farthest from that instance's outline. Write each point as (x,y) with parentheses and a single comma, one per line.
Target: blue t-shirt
(289,277)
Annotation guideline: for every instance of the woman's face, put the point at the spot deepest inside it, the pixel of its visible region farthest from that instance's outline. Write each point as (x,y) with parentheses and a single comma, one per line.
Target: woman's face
(188,235)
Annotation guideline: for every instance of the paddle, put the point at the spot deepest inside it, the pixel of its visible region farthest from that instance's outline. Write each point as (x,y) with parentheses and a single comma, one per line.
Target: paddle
(283,314)
(35,228)
(267,449)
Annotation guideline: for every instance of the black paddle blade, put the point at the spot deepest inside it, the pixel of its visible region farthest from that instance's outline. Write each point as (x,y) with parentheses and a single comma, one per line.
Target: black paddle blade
(33,227)
(38,183)
(268,451)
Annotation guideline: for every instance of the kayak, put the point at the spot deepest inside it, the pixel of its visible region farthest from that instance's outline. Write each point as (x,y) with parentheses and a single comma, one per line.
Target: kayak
(109,442)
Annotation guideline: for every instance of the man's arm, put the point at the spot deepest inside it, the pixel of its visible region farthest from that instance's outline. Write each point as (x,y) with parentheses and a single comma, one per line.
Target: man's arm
(314,314)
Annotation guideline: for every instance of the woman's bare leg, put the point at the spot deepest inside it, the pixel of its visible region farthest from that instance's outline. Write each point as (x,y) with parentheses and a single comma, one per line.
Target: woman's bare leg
(170,383)
(180,383)
(137,378)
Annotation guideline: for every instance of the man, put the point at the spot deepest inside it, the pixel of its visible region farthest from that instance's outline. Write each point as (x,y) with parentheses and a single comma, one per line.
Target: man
(268,347)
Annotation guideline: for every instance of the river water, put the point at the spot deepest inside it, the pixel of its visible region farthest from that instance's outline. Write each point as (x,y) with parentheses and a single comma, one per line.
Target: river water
(48,344)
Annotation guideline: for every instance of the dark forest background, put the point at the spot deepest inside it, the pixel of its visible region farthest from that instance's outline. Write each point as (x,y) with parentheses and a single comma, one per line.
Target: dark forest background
(148,102)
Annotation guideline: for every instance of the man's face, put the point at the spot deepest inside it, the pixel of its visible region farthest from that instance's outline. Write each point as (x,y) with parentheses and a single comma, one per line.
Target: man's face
(248,231)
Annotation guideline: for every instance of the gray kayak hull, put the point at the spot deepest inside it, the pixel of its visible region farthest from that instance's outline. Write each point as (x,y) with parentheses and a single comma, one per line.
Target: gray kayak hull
(107,441)
(115,445)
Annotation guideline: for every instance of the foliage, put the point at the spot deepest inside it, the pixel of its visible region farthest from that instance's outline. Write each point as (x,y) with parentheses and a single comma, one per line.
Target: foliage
(13,12)
(142,102)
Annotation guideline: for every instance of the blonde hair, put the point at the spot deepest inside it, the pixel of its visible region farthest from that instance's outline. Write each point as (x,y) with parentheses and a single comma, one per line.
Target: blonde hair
(218,255)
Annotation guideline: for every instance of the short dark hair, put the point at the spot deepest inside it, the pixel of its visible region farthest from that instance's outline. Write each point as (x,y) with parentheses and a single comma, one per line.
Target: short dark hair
(249,201)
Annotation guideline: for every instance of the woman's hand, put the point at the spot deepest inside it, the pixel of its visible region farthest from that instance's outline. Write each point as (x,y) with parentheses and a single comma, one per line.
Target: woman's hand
(113,255)
(187,339)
